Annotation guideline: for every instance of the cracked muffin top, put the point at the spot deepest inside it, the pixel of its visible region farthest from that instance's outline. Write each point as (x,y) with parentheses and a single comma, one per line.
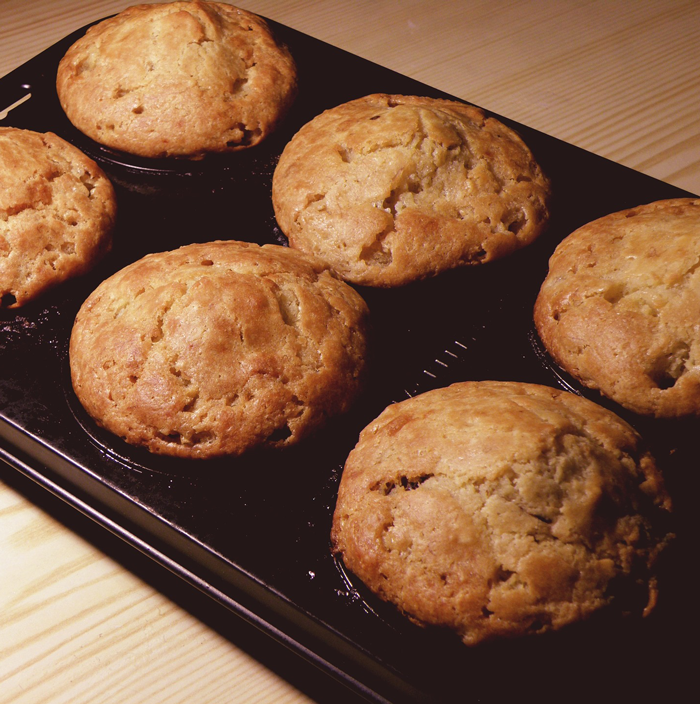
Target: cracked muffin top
(388,189)
(213,349)
(620,306)
(177,79)
(57,213)
(501,509)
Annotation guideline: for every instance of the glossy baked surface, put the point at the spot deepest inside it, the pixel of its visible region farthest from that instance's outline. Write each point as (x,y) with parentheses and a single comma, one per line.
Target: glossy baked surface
(77,624)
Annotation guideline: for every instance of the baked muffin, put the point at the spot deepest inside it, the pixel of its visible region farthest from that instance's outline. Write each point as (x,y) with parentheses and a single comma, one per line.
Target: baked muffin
(57,213)
(177,79)
(620,306)
(500,509)
(389,189)
(213,349)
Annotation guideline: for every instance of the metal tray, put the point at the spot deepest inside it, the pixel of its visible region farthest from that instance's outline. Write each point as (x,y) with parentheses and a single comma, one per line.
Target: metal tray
(253,532)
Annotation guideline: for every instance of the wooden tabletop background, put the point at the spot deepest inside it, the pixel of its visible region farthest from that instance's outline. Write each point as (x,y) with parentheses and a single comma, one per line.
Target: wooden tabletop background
(84,618)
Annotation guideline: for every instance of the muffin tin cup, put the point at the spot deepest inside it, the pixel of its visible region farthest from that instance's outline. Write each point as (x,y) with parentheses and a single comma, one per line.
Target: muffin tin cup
(253,532)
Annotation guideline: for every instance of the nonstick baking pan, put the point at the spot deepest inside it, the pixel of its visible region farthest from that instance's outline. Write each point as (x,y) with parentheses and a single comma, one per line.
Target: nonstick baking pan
(253,532)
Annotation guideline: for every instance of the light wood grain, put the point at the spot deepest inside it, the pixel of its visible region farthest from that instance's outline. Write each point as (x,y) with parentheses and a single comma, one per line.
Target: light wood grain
(619,78)
(75,626)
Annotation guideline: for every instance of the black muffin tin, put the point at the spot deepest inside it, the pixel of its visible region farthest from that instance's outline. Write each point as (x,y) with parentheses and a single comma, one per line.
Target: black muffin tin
(253,532)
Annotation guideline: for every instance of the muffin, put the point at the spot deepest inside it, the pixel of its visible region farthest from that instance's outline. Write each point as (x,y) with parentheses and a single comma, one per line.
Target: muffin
(216,348)
(57,213)
(499,509)
(620,306)
(177,79)
(389,189)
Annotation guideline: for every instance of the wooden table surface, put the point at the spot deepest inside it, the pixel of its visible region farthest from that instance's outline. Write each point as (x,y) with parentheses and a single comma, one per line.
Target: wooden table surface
(84,618)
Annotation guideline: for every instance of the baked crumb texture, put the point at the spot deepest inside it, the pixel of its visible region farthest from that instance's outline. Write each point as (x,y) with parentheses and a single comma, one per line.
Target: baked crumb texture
(501,509)
(388,189)
(177,79)
(620,307)
(213,349)
(57,213)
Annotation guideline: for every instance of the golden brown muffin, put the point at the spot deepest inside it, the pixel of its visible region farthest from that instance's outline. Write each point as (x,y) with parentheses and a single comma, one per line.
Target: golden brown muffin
(620,306)
(500,509)
(177,79)
(216,348)
(57,213)
(388,189)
